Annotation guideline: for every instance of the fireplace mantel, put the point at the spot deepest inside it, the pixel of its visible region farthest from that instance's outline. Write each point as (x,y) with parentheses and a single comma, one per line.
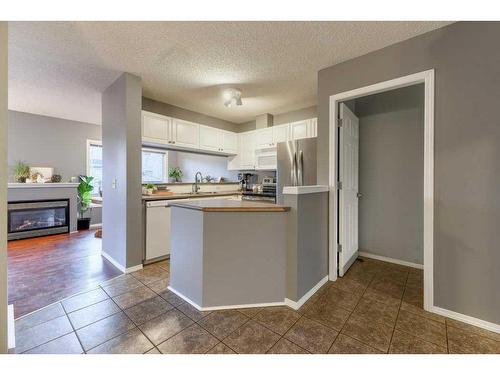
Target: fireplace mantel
(16,185)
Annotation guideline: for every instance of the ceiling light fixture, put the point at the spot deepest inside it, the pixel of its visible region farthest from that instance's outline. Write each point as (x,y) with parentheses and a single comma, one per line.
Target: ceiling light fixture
(232,97)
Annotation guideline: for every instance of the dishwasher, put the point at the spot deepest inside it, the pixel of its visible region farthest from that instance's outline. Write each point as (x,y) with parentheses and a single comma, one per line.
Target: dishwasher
(157,230)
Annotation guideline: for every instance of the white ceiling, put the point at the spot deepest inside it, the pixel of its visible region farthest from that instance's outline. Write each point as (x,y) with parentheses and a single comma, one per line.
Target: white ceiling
(60,68)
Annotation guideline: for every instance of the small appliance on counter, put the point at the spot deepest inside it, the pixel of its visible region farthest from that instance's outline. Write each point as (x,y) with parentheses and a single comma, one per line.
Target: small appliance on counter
(262,192)
(247,180)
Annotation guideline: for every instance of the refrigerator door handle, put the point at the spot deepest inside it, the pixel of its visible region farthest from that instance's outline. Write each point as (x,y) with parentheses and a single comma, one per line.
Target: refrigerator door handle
(294,169)
(300,169)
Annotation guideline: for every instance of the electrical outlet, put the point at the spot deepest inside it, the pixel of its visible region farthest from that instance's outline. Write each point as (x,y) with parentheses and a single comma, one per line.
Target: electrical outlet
(113,183)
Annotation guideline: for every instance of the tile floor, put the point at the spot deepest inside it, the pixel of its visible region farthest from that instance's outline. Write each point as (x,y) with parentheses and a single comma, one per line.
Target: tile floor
(376,308)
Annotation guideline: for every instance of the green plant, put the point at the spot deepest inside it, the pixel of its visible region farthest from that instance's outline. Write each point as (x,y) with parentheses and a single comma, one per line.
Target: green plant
(21,171)
(175,173)
(150,186)
(85,189)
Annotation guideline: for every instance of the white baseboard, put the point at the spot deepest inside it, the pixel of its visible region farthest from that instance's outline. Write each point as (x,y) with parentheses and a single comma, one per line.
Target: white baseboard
(391,260)
(96,226)
(11,330)
(119,266)
(225,307)
(466,319)
(297,305)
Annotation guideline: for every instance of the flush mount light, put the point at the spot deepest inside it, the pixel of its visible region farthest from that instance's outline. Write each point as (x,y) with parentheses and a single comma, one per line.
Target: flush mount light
(232,98)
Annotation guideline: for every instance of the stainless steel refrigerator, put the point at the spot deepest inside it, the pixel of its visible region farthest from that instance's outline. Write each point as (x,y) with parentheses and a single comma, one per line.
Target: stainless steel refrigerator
(296,165)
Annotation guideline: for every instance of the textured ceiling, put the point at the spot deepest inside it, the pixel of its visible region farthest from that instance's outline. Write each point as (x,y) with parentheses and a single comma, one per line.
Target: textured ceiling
(60,68)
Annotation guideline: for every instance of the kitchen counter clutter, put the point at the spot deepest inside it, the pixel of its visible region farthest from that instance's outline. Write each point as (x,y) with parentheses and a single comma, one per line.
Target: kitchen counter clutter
(227,205)
(189,195)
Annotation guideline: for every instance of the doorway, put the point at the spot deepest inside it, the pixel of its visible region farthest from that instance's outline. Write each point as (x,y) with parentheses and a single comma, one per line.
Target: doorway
(344,232)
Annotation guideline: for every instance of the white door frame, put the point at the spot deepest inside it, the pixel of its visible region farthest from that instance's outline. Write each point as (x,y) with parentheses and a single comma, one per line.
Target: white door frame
(427,78)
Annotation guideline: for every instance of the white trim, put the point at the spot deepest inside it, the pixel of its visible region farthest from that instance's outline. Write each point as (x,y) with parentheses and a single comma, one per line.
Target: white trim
(96,226)
(296,190)
(426,77)
(227,307)
(90,142)
(466,319)
(297,305)
(119,266)
(16,185)
(165,164)
(11,330)
(391,260)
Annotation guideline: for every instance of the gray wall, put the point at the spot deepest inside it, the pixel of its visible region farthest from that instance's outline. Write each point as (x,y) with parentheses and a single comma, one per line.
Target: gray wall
(391,173)
(283,118)
(467,152)
(3,187)
(50,142)
(187,115)
(121,138)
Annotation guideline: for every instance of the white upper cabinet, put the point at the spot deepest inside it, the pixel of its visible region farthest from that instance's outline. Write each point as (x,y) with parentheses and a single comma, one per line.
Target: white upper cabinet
(229,142)
(247,150)
(264,138)
(281,133)
(155,128)
(300,129)
(185,134)
(313,128)
(211,138)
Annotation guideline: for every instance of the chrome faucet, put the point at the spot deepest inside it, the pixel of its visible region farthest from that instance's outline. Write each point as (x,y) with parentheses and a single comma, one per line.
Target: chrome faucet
(196,187)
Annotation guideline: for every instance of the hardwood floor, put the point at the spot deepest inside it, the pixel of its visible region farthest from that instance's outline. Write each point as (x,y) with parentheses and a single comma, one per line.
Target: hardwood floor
(44,270)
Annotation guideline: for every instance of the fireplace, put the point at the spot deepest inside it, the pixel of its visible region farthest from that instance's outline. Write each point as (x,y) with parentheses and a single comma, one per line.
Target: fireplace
(37,218)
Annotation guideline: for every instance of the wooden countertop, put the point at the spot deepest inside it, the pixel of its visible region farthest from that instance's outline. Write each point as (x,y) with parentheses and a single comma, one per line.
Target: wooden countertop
(227,205)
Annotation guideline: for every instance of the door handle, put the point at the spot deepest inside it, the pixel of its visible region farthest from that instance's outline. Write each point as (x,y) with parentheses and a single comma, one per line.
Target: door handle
(294,169)
(359,195)
(300,169)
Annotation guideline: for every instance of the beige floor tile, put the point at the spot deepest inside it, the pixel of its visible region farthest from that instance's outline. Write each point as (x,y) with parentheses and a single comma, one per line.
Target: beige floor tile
(222,323)
(414,296)
(283,346)
(221,348)
(426,329)
(165,326)
(192,340)
(251,338)
(134,297)
(311,335)
(160,286)
(347,345)
(99,332)
(381,296)
(150,274)
(277,319)
(42,333)
(342,298)
(153,351)
(148,309)
(120,285)
(377,311)
(192,312)
(373,334)
(466,342)
(351,285)
(328,313)
(131,342)
(67,344)
(171,297)
(39,317)
(389,287)
(93,313)
(419,311)
(404,343)
(83,300)
(250,311)
(473,329)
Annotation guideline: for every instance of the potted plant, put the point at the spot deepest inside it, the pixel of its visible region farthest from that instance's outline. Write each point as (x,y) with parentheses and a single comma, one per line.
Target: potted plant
(85,189)
(21,171)
(149,189)
(175,174)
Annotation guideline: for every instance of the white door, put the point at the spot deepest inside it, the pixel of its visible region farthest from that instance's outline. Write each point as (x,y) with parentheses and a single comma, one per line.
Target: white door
(348,194)
(185,134)
(230,142)
(210,139)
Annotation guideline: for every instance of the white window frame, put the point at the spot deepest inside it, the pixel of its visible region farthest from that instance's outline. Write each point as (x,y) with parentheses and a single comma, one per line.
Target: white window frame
(165,164)
(90,142)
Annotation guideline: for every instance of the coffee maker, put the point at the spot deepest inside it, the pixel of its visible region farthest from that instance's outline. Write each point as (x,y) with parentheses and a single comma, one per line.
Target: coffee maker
(247,180)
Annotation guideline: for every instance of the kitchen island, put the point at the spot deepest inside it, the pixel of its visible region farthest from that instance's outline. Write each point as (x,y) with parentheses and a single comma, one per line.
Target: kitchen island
(228,253)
